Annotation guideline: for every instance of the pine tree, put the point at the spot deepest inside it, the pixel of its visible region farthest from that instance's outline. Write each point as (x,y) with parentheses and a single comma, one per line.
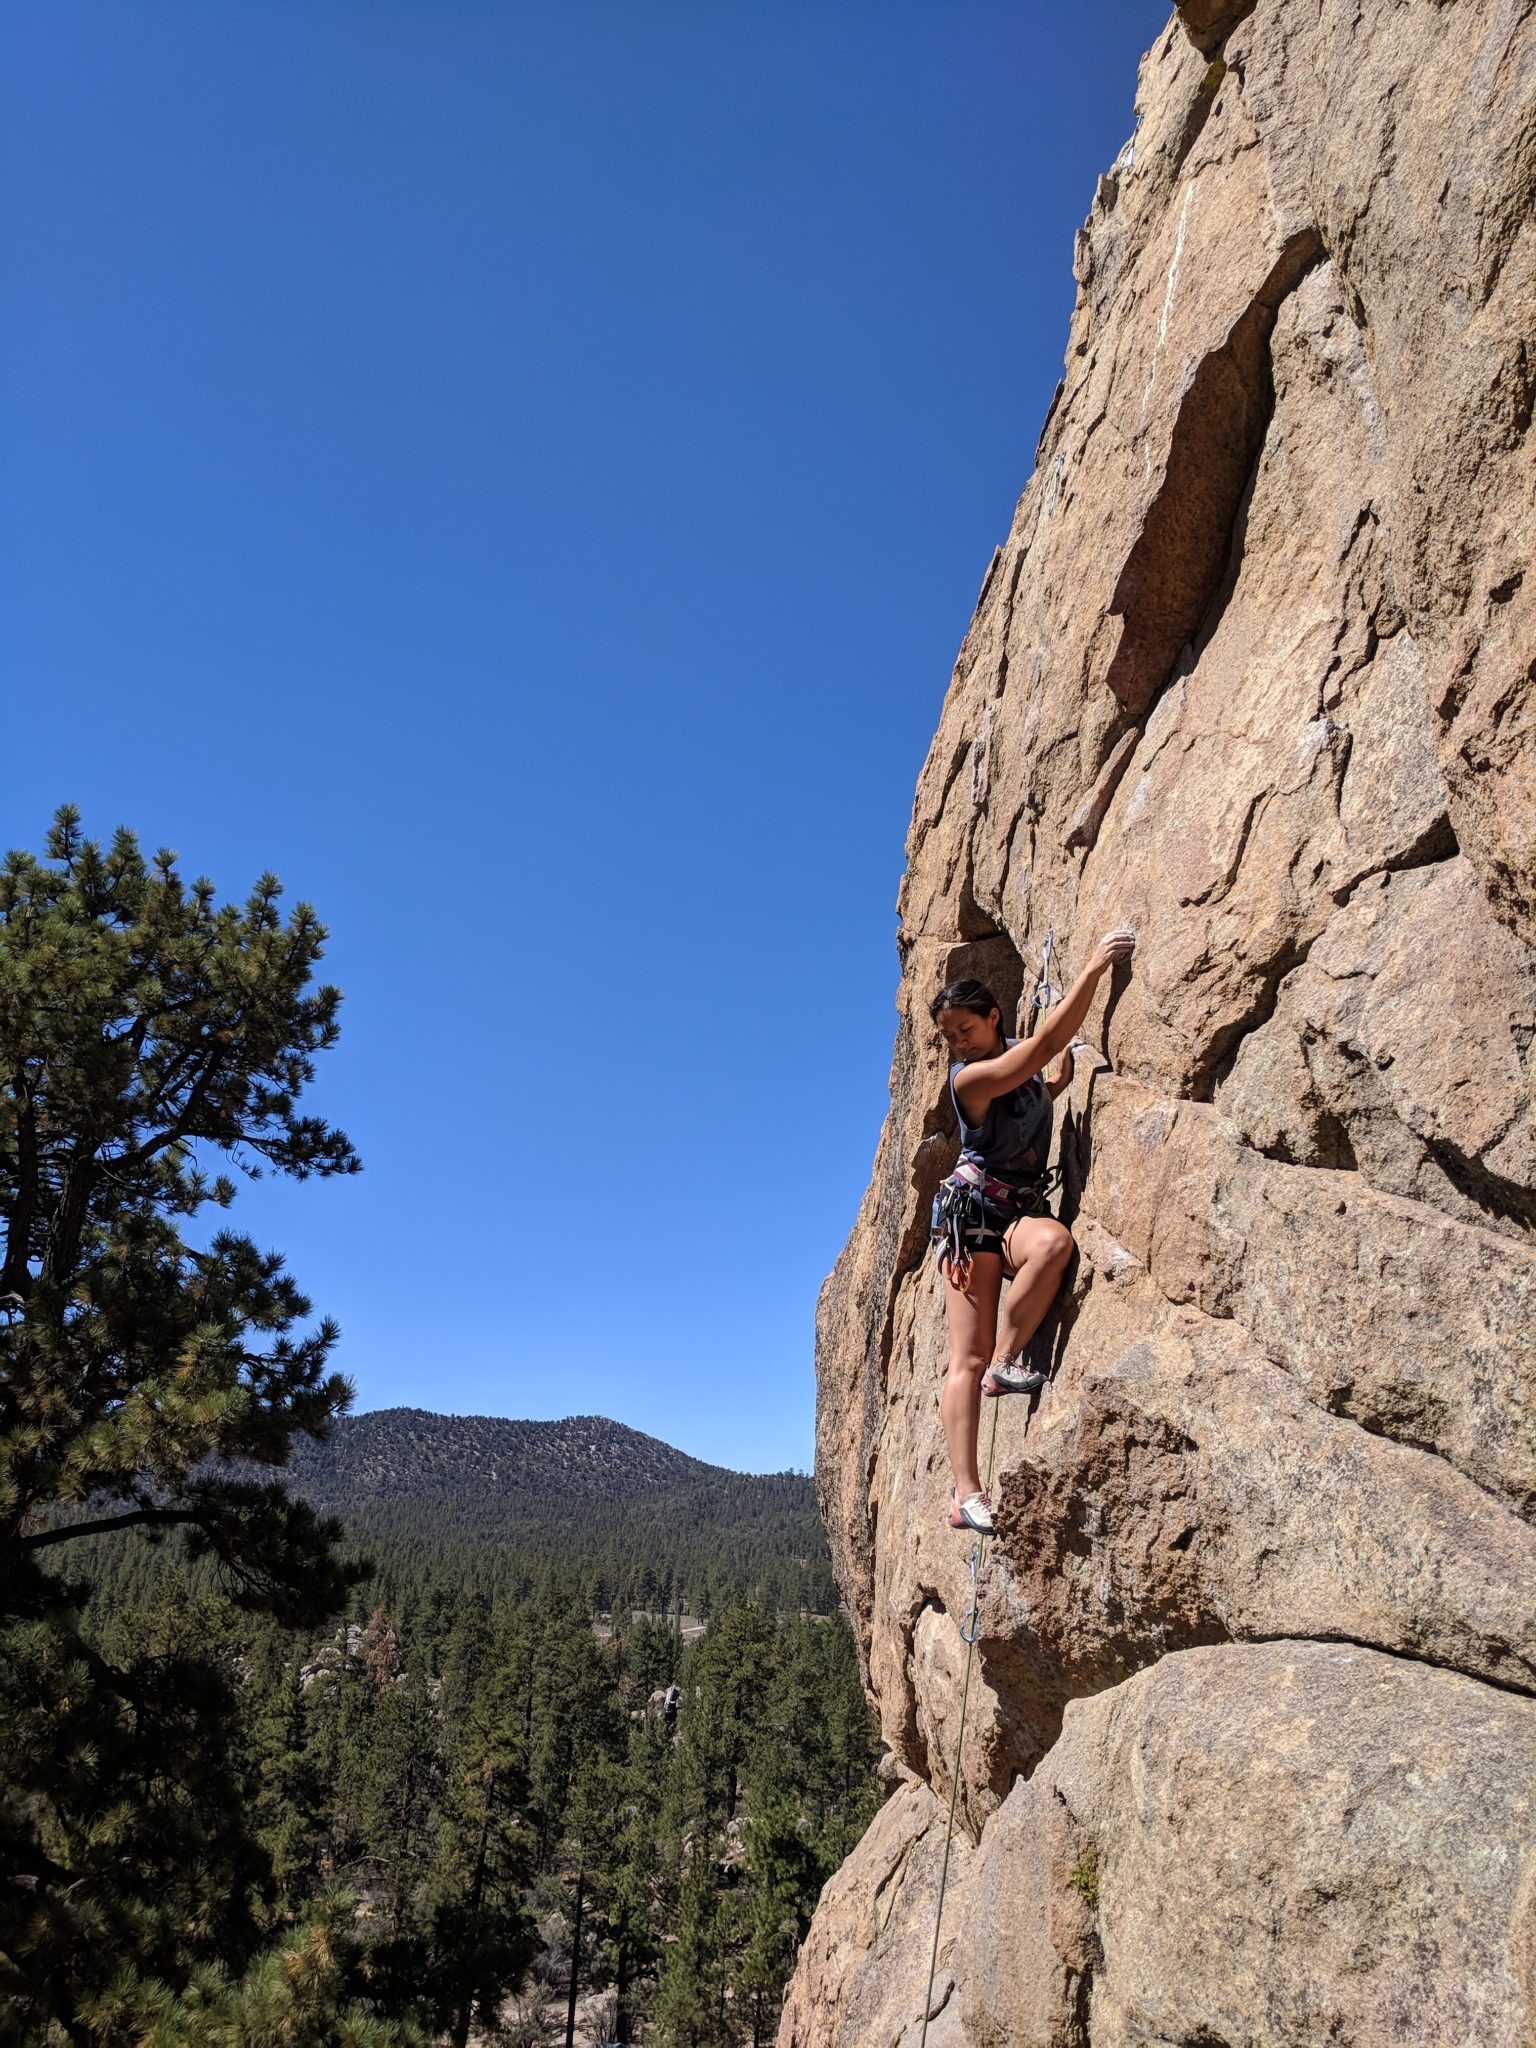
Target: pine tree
(628,1875)
(689,1991)
(479,1929)
(300,1991)
(726,1684)
(143,1380)
(836,1735)
(573,1716)
(290,1804)
(389,1785)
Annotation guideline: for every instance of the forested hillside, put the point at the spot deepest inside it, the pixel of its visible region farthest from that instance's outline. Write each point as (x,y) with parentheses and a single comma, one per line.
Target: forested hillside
(468,1459)
(610,1517)
(487,1818)
(507,1781)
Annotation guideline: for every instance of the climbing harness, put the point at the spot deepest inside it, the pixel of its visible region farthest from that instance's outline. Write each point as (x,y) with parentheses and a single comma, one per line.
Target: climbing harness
(969,1630)
(972,1204)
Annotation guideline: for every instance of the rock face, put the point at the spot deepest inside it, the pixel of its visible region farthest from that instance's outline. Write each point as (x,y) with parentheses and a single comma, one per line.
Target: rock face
(1249,1756)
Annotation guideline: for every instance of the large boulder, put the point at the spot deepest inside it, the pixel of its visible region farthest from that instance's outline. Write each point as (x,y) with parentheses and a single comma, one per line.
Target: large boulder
(1292,1842)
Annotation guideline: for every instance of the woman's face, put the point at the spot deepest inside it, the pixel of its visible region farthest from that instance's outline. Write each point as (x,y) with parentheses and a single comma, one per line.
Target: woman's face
(968,1036)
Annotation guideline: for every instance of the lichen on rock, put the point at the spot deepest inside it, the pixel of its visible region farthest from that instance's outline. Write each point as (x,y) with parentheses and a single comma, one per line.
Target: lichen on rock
(1254,670)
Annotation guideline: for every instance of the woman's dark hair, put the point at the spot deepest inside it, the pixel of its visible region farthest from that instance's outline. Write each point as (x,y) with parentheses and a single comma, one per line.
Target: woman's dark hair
(967,995)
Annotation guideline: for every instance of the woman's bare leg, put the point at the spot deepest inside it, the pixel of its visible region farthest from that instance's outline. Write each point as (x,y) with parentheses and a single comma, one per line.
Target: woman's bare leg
(1038,1249)
(972,1318)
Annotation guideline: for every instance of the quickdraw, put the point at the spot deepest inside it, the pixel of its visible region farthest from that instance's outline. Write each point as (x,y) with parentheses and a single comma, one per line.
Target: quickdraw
(972,1621)
(1045,994)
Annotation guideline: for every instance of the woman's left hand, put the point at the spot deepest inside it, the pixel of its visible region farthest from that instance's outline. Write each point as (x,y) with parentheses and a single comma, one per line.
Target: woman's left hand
(1114,946)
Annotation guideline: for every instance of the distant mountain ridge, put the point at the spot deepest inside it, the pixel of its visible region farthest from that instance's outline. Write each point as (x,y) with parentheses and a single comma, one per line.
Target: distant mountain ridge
(510,1508)
(620,1508)
(414,1453)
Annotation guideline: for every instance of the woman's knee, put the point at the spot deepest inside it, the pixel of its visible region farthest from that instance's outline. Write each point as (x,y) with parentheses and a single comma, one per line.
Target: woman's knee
(966,1359)
(1043,1242)
(1056,1241)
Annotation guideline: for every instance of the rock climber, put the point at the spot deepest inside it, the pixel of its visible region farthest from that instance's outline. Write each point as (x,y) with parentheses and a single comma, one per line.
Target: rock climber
(990,1218)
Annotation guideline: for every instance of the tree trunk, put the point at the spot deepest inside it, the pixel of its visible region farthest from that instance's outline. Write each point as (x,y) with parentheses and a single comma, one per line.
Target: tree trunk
(477,1881)
(462,2017)
(570,2005)
(403,1854)
(62,1245)
(458,2033)
(621,2014)
(16,1277)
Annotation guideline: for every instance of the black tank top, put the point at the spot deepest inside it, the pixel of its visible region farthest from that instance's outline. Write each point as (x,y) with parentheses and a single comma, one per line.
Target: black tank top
(1013,1139)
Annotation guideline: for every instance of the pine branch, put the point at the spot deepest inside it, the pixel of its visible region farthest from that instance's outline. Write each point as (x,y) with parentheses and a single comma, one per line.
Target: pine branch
(69,1532)
(181,1128)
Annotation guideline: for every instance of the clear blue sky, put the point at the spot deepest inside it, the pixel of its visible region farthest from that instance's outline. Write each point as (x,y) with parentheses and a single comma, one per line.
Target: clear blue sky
(522,472)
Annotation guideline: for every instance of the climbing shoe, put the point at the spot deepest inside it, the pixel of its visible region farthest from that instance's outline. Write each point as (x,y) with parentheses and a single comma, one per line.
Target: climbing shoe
(1011,1376)
(974,1512)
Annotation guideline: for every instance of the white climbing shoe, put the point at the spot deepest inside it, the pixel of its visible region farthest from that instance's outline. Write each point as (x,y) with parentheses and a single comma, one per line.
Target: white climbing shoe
(974,1512)
(1011,1376)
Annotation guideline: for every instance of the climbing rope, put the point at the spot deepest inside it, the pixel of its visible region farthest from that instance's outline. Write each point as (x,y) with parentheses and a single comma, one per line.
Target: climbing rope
(968,1631)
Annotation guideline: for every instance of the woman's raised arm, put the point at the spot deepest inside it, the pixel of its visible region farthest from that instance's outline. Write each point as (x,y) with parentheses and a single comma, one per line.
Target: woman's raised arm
(983,1080)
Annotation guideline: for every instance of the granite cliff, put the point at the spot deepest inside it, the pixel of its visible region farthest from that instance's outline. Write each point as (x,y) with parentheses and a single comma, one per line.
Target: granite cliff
(1251,1756)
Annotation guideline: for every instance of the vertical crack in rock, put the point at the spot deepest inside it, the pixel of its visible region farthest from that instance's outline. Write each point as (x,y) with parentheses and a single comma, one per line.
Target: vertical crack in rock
(1181,557)
(1089,815)
(1199,113)
(1221,1053)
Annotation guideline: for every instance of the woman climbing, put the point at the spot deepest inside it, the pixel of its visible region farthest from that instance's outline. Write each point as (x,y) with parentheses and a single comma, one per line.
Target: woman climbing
(990,1216)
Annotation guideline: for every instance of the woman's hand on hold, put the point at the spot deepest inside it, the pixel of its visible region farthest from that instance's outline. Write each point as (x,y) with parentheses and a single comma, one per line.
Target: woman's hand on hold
(1116,945)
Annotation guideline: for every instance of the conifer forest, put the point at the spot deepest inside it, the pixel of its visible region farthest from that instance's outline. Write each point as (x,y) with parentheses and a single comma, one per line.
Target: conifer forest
(283,1760)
